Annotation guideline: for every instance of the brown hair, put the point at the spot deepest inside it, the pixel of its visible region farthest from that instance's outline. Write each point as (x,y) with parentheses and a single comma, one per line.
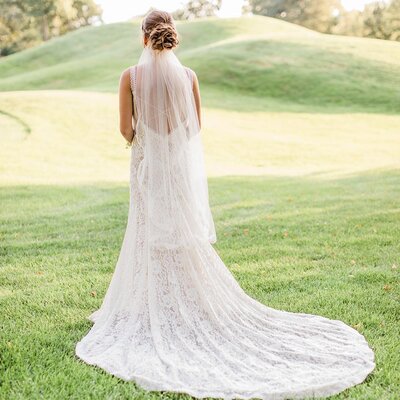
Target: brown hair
(159,27)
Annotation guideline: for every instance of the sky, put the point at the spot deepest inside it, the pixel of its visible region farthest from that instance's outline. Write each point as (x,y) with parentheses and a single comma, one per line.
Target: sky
(121,10)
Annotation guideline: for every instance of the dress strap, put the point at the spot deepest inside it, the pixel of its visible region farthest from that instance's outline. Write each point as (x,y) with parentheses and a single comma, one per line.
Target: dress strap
(132,73)
(190,74)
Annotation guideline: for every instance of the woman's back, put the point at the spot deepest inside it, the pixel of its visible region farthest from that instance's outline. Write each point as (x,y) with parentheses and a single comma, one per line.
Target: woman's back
(162,94)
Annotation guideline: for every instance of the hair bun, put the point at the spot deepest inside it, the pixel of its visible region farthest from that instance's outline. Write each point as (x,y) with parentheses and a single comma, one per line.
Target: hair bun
(163,36)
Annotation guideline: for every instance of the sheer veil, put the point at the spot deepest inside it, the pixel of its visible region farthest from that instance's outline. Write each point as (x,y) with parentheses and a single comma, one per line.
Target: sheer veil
(171,175)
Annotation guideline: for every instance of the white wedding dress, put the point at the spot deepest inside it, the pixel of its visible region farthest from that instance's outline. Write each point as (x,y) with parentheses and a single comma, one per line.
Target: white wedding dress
(174,318)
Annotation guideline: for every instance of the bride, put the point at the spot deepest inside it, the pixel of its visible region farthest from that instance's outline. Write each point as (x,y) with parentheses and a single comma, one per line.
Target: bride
(173,317)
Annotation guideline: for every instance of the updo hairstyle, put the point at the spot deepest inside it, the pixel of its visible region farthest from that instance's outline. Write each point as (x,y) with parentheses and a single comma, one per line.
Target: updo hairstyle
(159,27)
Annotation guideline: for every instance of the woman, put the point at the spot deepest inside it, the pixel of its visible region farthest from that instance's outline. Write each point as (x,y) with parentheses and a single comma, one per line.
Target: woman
(174,318)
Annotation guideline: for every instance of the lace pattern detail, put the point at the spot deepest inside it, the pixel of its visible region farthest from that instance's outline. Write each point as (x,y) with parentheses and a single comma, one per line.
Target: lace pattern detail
(175,319)
(190,74)
(132,74)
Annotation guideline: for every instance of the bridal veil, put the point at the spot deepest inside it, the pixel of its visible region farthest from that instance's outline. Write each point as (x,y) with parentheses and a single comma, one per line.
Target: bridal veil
(171,176)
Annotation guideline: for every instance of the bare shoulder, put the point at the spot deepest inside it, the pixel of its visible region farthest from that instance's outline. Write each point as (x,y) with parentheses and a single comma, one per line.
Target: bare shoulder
(125,77)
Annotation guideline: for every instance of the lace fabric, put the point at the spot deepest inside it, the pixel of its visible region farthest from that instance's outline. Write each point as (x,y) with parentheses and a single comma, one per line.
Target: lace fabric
(174,318)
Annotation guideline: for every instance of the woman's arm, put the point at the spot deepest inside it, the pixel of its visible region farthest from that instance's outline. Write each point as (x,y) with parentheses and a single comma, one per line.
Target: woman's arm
(125,106)
(197,98)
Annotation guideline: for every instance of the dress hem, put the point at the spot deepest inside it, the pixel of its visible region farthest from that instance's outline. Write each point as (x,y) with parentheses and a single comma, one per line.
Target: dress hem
(321,391)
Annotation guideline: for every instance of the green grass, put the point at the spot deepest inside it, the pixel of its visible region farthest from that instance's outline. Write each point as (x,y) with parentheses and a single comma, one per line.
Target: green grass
(323,247)
(73,138)
(302,144)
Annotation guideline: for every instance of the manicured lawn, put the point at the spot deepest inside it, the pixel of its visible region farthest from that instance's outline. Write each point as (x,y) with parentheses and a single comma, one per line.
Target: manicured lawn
(323,247)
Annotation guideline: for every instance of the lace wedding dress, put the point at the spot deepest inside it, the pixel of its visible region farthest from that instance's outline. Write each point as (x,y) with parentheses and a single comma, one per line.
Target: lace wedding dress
(174,318)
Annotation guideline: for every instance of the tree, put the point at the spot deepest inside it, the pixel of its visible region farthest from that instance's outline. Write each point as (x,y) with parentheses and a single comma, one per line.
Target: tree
(17,29)
(43,12)
(319,15)
(382,20)
(198,9)
(349,23)
(393,15)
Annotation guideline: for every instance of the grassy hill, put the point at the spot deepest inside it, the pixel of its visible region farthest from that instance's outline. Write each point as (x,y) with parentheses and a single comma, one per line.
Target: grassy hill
(272,92)
(275,63)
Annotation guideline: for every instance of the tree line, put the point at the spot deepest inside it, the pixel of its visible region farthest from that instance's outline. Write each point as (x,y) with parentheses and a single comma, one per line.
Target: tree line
(26,23)
(379,19)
